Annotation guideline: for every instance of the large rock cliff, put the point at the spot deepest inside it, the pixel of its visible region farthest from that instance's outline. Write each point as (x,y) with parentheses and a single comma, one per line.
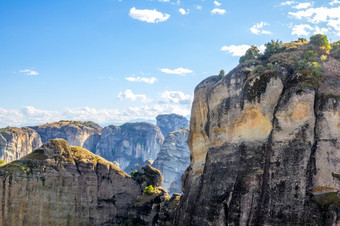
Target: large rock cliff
(77,133)
(265,145)
(171,122)
(173,159)
(17,142)
(130,144)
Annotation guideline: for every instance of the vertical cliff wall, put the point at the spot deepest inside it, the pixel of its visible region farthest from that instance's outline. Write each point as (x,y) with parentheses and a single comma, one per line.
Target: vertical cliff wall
(17,142)
(265,147)
(171,122)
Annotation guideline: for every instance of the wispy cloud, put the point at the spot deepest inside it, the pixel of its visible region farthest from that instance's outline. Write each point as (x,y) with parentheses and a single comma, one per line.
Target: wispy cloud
(29,72)
(128,94)
(199,7)
(176,97)
(149,16)
(288,3)
(177,71)
(258,28)
(334,2)
(216,3)
(302,29)
(239,50)
(151,80)
(183,11)
(218,11)
(304,5)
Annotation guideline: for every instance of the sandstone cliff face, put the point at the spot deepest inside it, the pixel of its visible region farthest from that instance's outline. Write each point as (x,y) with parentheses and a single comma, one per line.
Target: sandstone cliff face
(130,144)
(62,185)
(173,159)
(264,148)
(171,122)
(17,142)
(77,133)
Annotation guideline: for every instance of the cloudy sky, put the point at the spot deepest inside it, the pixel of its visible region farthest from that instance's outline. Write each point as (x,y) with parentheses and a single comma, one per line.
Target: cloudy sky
(113,61)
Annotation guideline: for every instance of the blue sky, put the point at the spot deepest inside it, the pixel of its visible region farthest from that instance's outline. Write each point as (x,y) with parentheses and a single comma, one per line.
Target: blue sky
(114,61)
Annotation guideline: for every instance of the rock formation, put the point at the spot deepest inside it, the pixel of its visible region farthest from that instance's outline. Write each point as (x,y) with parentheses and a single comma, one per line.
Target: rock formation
(173,159)
(171,122)
(77,133)
(265,145)
(130,144)
(17,142)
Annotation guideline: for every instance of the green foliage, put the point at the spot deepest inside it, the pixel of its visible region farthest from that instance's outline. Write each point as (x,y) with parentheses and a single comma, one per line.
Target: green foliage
(302,64)
(314,67)
(323,57)
(184,128)
(149,190)
(258,68)
(311,55)
(2,162)
(320,40)
(221,74)
(294,58)
(273,47)
(335,51)
(251,54)
(134,173)
(302,40)
(270,66)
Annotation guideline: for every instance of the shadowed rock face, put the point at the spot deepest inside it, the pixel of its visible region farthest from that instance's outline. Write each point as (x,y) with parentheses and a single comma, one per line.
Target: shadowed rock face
(173,159)
(171,122)
(130,144)
(77,133)
(17,142)
(62,185)
(264,148)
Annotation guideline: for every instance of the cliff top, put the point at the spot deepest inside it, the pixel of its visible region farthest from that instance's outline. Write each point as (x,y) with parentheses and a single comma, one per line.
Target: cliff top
(14,129)
(58,152)
(63,123)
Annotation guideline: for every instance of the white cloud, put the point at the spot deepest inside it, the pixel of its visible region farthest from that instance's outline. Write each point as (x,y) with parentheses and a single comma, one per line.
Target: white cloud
(218,11)
(164,0)
(151,80)
(288,3)
(258,28)
(149,16)
(128,94)
(199,7)
(183,12)
(29,72)
(240,50)
(302,29)
(334,2)
(328,18)
(176,97)
(217,3)
(177,71)
(303,5)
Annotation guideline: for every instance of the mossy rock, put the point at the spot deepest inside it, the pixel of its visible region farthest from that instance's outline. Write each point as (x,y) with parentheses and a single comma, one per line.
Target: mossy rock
(326,199)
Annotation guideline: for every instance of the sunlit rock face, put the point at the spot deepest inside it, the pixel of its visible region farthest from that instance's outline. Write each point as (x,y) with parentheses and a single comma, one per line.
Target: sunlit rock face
(171,122)
(78,133)
(17,142)
(173,159)
(62,185)
(130,144)
(264,148)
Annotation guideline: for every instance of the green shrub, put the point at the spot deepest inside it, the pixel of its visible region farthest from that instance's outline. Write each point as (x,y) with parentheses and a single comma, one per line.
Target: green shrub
(302,64)
(2,162)
(251,54)
(149,190)
(302,40)
(258,68)
(316,68)
(134,173)
(221,74)
(335,51)
(311,55)
(320,40)
(270,66)
(273,47)
(294,58)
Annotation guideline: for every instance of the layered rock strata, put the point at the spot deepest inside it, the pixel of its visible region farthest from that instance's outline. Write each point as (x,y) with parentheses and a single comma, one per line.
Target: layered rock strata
(171,122)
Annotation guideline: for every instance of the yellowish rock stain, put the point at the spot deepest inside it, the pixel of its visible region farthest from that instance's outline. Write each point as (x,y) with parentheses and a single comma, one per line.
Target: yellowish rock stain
(300,111)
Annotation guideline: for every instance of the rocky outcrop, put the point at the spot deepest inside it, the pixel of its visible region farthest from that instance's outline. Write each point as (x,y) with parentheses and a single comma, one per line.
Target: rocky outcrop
(130,144)
(173,159)
(17,142)
(77,133)
(265,144)
(62,185)
(171,122)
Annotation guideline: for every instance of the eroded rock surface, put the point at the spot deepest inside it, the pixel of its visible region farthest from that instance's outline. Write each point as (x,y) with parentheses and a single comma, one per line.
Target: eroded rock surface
(17,142)
(173,159)
(171,122)
(264,148)
(77,133)
(130,144)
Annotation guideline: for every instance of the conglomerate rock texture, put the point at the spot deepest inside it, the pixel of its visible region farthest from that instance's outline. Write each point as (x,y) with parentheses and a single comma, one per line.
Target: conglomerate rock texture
(78,133)
(265,147)
(17,142)
(130,144)
(173,159)
(171,122)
